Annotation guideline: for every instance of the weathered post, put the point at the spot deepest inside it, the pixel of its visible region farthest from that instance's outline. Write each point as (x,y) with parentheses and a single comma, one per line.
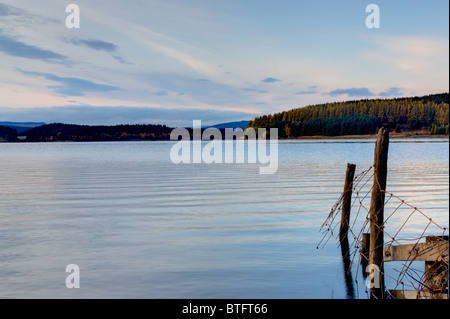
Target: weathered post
(365,248)
(377,211)
(346,202)
(343,230)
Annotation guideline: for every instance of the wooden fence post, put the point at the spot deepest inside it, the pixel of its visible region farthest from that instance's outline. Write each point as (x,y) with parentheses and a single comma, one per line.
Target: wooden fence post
(364,251)
(345,225)
(347,202)
(377,210)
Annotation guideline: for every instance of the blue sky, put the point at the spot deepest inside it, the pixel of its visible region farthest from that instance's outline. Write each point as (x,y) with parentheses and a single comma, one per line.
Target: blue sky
(174,61)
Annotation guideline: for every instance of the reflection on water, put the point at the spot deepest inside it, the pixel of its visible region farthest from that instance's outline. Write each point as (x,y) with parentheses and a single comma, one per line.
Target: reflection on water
(140,226)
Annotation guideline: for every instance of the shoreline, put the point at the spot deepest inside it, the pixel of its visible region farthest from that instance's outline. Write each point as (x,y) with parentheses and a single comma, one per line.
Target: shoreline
(392,135)
(370,136)
(317,137)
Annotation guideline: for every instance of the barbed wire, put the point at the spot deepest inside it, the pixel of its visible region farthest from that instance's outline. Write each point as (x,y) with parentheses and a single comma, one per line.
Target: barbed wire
(428,281)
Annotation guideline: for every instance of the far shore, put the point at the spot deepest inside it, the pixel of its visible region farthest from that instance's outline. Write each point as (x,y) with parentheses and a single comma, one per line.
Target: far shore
(419,134)
(393,135)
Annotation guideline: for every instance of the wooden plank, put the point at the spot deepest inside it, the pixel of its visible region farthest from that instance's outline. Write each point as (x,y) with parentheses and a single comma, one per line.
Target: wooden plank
(413,294)
(430,251)
(436,272)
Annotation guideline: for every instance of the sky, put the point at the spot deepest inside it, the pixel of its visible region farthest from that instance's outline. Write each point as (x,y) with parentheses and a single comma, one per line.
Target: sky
(174,61)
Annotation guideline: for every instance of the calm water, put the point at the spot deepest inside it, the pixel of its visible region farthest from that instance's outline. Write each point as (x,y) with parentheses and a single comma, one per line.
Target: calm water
(140,226)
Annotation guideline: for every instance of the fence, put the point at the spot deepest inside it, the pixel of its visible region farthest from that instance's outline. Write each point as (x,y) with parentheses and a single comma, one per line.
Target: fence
(371,237)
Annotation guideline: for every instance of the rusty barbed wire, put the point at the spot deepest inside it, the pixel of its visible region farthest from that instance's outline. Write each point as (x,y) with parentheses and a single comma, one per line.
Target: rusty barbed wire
(395,232)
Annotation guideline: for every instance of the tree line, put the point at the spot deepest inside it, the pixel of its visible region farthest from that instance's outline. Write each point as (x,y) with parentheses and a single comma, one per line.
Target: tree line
(362,117)
(335,126)
(71,132)
(58,132)
(8,134)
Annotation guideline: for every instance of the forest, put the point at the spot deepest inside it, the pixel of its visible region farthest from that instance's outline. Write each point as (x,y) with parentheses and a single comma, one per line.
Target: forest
(429,113)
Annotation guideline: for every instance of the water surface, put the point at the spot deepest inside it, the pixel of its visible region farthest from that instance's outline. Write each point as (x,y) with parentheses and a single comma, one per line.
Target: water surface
(140,226)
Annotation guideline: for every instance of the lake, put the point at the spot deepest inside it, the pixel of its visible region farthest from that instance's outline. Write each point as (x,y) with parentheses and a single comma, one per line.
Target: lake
(140,226)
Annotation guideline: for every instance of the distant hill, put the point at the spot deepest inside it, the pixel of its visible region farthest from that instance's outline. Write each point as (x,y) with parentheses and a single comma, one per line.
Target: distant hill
(35,132)
(233,125)
(429,112)
(71,132)
(21,127)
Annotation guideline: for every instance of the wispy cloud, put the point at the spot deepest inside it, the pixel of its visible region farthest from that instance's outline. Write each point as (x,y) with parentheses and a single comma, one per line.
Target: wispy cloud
(180,55)
(305,92)
(394,91)
(13,17)
(71,86)
(119,59)
(270,80)
(352,92)
(310,90)
(16,48)
(7,10)
(98,45)
(254,90)
(410,53)
(362,92)
(161,93)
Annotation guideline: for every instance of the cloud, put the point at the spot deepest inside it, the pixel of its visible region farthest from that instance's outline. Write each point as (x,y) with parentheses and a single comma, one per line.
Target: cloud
(411,53)
(305,92)
(352,92)
(161,93)
(254,90)
(19,16)
(121,60)
(394,91)
(14,18)
(7,10)
(20,49)
(197,64)
(270,80)
(98,45)
(419,62)
(71,86)
(197,91)
(311,90)
(363,92)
